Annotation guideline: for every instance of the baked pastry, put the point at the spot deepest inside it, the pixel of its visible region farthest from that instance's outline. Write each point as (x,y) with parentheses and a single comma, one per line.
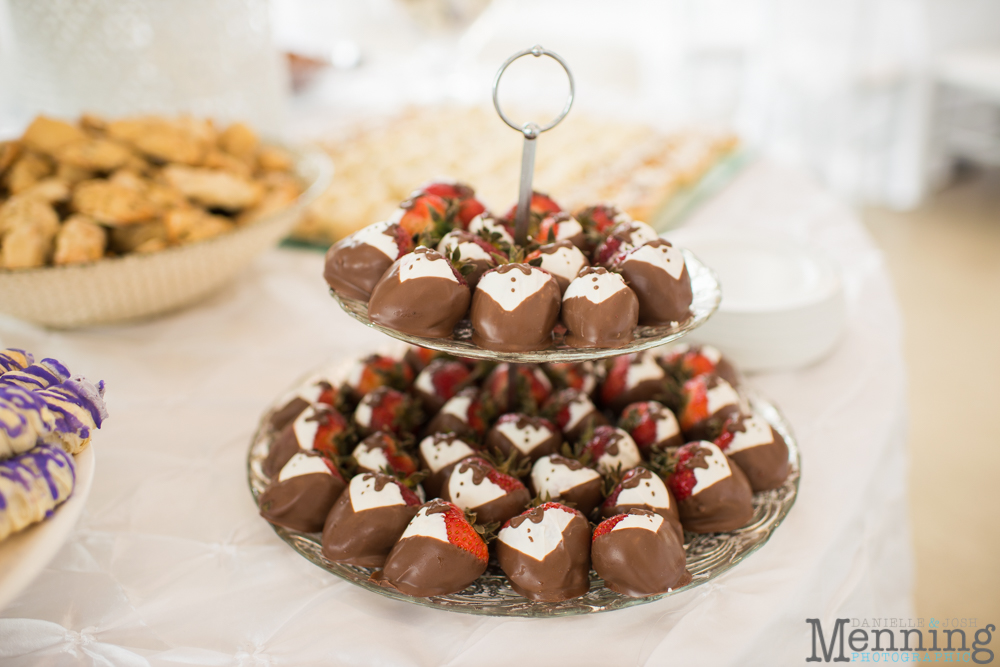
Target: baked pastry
(638,554)
(368,519)
(301,495)
(713,495)
(32,485)
(420,294)
(545,553)
(757,449)
(515,308)
(599,310)
(568,481)
(657,273)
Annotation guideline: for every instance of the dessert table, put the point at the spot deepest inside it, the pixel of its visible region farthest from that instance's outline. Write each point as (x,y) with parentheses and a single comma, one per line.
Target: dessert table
(170,563)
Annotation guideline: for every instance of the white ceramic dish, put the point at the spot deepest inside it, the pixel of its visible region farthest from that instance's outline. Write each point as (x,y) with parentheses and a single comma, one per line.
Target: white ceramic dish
(24,555)
(782,302)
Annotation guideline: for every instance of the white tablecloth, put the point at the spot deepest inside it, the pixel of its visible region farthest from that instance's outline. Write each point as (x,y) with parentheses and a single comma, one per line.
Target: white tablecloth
(170,563)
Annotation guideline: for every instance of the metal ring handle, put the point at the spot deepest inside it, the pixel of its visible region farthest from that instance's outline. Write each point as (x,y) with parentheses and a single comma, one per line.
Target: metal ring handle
(532,130)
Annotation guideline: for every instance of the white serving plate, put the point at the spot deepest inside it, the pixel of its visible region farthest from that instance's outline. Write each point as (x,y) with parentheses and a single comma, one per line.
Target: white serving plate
(24,555)
(782,305)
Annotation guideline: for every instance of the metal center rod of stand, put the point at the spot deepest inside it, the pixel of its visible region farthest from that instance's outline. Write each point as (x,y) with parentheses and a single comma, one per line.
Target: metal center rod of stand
(527,176)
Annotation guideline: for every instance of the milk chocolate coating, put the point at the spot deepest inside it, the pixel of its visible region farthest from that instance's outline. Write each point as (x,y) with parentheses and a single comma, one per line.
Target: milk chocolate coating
(708,428)
(428,307)
(563,573)
(286,414)
(499,509)
(668,513)
(723,506)
(551,249)
(449,423)
(638,562)
(584,497)
(527,327)
(364,538)
(353,269)
(765,466)
(283,448)
(497,441)
(435,480)
(423,566)
(727,372)
(301,503)
(662,299)
(608,324)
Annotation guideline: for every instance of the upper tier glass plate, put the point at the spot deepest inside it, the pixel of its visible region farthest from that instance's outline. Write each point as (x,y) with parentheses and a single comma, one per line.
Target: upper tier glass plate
(704,285)
(708,556)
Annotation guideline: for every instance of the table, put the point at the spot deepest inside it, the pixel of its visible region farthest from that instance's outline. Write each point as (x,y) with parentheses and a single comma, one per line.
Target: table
(170,563)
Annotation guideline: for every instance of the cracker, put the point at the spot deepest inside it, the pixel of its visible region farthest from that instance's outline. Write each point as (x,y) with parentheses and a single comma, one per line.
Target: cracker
(213,188)
(48,135)
(112,203)
(79,240)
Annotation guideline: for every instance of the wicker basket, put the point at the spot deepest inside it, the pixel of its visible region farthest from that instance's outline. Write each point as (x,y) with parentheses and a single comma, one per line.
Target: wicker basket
(137,286)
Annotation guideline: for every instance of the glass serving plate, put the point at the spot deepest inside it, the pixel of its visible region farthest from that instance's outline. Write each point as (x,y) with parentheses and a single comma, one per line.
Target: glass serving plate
(704,286)
(708,556)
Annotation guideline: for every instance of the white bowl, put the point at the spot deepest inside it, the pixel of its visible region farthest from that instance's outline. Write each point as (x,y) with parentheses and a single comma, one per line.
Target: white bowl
(136,286)
(782,302)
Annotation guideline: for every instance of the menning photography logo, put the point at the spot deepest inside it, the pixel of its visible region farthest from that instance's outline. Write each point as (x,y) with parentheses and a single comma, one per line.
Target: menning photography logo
(902,640)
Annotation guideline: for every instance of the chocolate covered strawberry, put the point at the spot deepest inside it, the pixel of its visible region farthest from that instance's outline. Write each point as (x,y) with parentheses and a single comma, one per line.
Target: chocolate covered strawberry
(418,357)
(466,249)
(624,237)
(465,414)
(545,553)
(611,449)
(562,259)
(440,453)
(440,381)
(354,265)
(515,308)
(381,451)
(708,401)
(387,409)
(524,437)
(657,274)
(368,519)
(638,554)
(757,449)
(630,378)
(439,553)
(574,413)
(318,428)
(301,495)
(561,226)
(557,477)
(475,485)
(713,495)
(315,390)
(531,388)
(378,370)
(652,425)
(461,198)
(422,212)
(642,489)
(600,218)
(686,361)
(495,232)
(599,310)
(421,294)
(541,205)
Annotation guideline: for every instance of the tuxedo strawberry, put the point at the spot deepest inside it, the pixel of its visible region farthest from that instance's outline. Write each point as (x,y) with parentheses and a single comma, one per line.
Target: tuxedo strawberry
(439,553)
(600,218)
(608,252)
(318,428)
(381,451)
(757,449)
(368,519)
(317,390)
(630,378)
(658,275)
(713,495)
(303,492)
(651,425)
(638,554)
(386,409)
(378,370)
(515,308)
(440,453)
(531,388)
(562,259)
(440,381)
(421,294)
(423,212)
(477,486)
(545,553)
(495,232)
(418,357)
(354,265)
(461,197)
(466,248)
(579,375)
(611,448)
(557,477)
(561,226)
(708,402)
(624,237)
(599,310)
(640,488)
(573,413)
(541,205)
(687,361)
(530,437)
(464,414)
